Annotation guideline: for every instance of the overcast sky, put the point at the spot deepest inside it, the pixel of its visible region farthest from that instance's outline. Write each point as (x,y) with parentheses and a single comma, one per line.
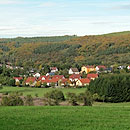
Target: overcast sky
(63,17)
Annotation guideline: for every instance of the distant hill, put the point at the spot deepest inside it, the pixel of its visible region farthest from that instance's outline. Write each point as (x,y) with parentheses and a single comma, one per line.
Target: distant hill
(118,33)
(66,51)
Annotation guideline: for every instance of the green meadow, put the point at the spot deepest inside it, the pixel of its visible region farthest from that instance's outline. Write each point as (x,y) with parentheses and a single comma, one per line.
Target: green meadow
(39,91)
(65,118)
(101,116)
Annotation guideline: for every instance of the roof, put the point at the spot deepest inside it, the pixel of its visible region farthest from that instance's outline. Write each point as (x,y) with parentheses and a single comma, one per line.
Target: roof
(64,80)
(50,81)
(53,68)
(85,80)
(101,66)
(19,78)
(92,76)
(89,66)
(74,69)
(30,79)
(58,76)
(44,76)
(75,76)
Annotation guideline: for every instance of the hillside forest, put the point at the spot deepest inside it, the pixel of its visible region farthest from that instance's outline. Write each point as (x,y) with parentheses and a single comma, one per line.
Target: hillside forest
(67,51)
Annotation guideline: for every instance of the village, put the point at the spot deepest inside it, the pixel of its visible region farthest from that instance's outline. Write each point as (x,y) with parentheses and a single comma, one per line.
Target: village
(76,78)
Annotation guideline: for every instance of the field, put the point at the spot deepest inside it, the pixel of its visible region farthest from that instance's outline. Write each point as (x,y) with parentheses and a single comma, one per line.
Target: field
(102,116)
(39,91)
(65,118)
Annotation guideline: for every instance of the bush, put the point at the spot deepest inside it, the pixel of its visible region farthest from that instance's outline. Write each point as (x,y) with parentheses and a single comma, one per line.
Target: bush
(86,98)
(36,95)
(1,87)
(12,100)
(72,98)
(55,95)
(11,82)
(28,100)
(112,88)
(50,102)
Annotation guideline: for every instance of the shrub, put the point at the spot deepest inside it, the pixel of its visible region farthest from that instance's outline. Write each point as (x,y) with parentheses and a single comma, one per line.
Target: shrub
(12,100)
(86,98)
(55,95)
(28,100)
(1,87)
(50,102)
(36,95)
(72,98)
(44,85)
(11,82)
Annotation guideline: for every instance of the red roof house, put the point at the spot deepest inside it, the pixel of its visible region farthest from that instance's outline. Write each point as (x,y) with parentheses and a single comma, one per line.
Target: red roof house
(58,77)
(31,81)
(92,76)
(83,82)
(74,77)
(100,67)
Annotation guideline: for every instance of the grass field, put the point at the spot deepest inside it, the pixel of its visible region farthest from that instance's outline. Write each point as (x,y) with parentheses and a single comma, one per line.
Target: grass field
(65,118)
(102,116)
(39,91)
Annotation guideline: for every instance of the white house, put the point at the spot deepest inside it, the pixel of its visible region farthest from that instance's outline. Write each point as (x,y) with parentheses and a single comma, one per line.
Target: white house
(128,67)
(53,69)
(37,75)
(73,71)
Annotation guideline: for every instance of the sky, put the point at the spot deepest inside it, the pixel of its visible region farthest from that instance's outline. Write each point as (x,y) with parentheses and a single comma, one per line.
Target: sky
(29,18)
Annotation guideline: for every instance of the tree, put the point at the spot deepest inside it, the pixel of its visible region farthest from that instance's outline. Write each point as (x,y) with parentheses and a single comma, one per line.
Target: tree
(12,100)
(112,87)
(44,85)
(28,100)
(11,82)
(55,95)
(86,98)
(38,84)
(72,98)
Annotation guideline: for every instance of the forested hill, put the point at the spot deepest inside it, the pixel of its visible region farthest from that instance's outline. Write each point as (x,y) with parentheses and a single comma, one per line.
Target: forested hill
(67,51)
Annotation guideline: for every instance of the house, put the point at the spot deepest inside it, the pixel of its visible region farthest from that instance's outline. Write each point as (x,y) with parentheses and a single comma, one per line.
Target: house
(50,81)
(121,67)
(17,79)
(9,67)
(50,74)
(128,67)
(53,69)
(58,77)
(108,70)
(73,71)
(43,78)
(87,69)
(74,77)
(64,82)
(100,67)
(92,76)
(37,75)
(83,82)
(31,81)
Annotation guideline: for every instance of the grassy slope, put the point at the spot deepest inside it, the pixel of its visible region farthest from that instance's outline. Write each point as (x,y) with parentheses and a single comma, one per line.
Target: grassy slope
(39,91)
(64,118)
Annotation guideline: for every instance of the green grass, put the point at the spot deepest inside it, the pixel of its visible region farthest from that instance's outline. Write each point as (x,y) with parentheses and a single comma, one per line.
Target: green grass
(39,91)
(64,118)
(102,116)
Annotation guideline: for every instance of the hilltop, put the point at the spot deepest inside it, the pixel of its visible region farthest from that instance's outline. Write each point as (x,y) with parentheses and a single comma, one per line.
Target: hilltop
(66,51)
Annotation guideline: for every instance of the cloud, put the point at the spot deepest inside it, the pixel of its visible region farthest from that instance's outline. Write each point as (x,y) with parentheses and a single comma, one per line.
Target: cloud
(121,7)
(7,2)
(48,4)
